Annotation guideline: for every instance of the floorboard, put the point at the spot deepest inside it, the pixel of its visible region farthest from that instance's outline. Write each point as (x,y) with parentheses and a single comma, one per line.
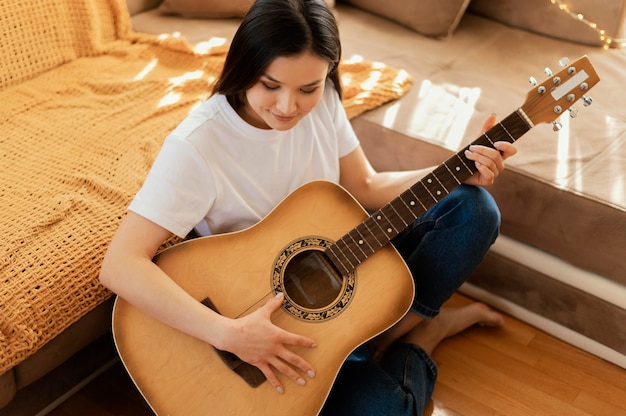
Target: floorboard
(515,370)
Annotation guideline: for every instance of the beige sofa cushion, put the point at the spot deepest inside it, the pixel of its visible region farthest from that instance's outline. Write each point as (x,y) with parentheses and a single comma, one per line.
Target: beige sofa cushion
(590,22)
(210,8)
(436,18)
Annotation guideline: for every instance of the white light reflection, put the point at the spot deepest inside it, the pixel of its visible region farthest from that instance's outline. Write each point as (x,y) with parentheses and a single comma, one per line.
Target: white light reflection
(147,69)
(172,97)
(169,99)
(187,76)
(164,36)
(204,47)
(563,150)
(441,411)
(442,113)
(391,112)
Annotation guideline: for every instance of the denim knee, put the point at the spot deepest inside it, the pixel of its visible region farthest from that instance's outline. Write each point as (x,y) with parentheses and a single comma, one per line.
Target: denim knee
(444,246)
(481,209)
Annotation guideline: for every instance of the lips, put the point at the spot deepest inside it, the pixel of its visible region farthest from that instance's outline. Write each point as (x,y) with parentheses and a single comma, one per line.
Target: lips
(283,119)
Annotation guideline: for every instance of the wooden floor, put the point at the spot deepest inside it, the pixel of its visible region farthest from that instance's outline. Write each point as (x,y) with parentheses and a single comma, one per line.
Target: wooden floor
(514,370)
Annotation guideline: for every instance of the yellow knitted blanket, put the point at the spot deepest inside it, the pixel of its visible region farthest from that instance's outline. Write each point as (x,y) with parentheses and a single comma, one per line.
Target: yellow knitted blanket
(85,103)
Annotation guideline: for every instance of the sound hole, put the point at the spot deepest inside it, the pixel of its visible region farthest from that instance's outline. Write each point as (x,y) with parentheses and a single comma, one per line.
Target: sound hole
(311,281)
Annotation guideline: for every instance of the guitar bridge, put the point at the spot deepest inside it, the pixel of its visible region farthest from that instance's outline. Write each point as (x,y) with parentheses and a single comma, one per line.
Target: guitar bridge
(249,373)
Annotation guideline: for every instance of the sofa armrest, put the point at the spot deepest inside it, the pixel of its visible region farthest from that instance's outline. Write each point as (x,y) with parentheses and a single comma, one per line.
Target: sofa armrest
(138,6)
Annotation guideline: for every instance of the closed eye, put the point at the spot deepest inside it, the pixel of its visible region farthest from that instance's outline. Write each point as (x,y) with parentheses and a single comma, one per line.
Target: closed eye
(269,87)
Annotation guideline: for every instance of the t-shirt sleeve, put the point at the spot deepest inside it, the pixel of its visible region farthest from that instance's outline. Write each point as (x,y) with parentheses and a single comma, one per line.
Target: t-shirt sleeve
(178,189)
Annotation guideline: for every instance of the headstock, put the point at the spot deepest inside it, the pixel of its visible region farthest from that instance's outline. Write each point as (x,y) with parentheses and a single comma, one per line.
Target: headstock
(548,100)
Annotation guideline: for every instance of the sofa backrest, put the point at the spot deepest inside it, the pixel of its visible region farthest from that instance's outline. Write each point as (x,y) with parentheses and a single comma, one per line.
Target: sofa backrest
(38,35)
(590,22)
(138,6)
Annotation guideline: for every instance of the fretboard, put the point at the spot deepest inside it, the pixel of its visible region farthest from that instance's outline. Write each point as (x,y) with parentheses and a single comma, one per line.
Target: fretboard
(386,223)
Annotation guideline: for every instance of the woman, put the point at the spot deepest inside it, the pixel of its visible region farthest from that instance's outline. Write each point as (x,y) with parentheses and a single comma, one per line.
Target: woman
(275,122)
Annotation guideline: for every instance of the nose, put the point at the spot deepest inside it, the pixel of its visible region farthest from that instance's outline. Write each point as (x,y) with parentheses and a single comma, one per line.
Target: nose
(287,103)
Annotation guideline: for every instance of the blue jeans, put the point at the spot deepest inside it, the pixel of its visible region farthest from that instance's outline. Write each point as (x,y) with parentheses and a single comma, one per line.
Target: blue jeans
(442,249)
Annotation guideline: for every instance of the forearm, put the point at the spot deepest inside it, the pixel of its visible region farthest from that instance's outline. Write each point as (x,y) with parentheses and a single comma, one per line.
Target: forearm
(382,187)
(128,270)
(143,284)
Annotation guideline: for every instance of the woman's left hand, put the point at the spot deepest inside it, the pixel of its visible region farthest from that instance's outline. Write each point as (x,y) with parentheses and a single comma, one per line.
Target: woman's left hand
(489,161)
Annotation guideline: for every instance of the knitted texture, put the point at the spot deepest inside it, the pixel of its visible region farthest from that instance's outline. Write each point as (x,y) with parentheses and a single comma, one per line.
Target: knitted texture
(85,104)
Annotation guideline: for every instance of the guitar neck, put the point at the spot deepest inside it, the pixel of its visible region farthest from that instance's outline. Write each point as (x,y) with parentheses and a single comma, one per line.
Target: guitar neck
(386,223)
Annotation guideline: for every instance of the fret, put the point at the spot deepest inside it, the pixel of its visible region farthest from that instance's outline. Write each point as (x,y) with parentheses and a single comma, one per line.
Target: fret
(462,159)
(365,240)
(488,138)
(341,256)
(353,259)
(408,207)
(390,226)
(344,254)
(358,244)
(509,134)
(399,216)
(436,176)
(369,230)
(391,216)
(452,174)
(417,198)
(331,252)
(377,231)
(379,217)
(428,190)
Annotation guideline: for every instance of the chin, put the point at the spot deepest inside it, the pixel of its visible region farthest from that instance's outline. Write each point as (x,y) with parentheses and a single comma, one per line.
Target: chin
(283,125)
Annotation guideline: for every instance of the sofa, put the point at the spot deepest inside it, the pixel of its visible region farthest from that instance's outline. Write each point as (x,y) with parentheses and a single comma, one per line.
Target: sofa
(446,66)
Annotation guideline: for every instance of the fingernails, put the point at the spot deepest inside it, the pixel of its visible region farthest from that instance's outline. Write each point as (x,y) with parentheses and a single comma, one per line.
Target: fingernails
(280,390)
(310,373)
(301,381)
(279,295)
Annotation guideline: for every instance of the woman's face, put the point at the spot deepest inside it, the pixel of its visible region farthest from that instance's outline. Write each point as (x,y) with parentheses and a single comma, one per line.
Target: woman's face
(288,90)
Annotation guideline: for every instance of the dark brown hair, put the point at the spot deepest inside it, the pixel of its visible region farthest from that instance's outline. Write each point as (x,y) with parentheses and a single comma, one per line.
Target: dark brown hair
(277,28)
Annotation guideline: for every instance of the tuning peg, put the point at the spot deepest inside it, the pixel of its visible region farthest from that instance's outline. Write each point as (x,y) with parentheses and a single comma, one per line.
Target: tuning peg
(573,112)
(587,101)
(563,62)
(547,71)
(532,81)
(556,126)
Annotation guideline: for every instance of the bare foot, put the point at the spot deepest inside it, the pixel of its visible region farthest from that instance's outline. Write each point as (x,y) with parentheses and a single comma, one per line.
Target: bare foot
(450,321)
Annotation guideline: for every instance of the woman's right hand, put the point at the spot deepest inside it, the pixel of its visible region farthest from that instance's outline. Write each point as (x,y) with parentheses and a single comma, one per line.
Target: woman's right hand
(257,341)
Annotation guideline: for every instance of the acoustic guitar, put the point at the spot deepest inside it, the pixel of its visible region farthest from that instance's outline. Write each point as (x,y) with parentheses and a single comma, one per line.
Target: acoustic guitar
(342,280)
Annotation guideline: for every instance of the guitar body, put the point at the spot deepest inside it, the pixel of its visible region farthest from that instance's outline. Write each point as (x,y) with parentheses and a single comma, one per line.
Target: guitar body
(238,272)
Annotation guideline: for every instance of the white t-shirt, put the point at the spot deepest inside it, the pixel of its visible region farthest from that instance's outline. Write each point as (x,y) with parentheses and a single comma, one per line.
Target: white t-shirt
(217,173)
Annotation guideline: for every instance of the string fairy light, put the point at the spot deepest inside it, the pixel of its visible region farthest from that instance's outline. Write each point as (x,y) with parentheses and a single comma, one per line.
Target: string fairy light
(607,41)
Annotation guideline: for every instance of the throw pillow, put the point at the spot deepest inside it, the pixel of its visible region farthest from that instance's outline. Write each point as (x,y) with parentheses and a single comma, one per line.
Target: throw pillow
(436,18)
(211,8)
